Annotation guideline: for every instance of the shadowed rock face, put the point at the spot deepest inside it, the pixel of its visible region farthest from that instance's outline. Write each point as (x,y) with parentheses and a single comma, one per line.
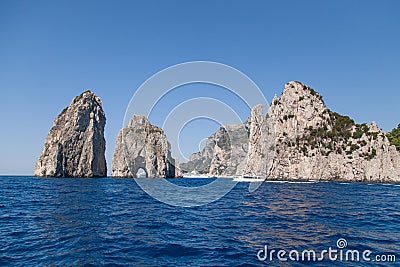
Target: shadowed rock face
(141,145)
(236,149)
(224,153)
(75,145)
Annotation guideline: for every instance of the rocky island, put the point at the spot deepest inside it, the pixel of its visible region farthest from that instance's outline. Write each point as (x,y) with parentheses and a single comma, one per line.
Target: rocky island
(315,143)
(308,142)
(298,138)
(75,145)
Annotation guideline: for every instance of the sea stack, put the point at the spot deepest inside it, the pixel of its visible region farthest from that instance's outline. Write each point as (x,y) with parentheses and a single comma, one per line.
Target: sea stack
(75,145)
(144,148)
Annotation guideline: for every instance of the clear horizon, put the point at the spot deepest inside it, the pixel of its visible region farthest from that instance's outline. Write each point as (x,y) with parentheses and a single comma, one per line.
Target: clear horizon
(52,51)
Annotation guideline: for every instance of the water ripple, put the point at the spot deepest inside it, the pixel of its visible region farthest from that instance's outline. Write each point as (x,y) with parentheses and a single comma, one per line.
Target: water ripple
(95,222)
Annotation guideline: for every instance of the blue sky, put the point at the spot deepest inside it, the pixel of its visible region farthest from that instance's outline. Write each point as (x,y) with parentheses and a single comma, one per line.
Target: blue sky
(51,51)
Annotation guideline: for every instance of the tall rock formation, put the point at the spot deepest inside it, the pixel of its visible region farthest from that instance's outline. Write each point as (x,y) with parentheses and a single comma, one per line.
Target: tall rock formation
(315,143)
(142,146)
(261,143)
(75,145)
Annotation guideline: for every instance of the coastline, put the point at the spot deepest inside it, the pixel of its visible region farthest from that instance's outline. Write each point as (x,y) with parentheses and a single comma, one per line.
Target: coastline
(300,181)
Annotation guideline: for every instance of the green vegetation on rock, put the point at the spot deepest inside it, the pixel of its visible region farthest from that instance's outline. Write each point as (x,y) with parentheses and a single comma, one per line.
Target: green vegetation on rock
(335,135)
(341,125)
(361,129)
(340,131)
(394,137)
(314,93)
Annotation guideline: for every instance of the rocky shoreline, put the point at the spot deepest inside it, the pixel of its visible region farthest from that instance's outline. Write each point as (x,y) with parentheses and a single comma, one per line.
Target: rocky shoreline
(299,139)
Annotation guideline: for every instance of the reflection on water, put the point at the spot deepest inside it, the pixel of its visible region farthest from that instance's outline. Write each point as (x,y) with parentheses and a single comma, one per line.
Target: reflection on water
(112,221)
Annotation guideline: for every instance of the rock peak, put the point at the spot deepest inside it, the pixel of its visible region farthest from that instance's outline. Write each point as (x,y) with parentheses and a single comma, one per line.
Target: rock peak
(294,83)
(257,109)
(88,95)
(298,88)
(296,94)
(138,120)
(295,86)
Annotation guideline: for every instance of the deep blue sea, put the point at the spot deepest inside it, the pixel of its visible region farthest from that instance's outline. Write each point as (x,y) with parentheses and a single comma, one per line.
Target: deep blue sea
(91,222)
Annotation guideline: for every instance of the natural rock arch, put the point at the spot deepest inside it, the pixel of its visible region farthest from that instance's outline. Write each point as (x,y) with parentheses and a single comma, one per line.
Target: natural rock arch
(138,164)
(142,145)
(141,173)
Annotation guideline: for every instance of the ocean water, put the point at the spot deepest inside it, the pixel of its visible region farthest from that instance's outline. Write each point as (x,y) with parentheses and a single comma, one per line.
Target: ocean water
(91,222)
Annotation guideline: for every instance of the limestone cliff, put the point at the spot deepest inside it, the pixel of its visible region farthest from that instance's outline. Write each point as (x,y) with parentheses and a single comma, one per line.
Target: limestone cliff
(141,145)
(236,149)
(224,154)
(301,139)
(315,143)
(261,151)
(75,145)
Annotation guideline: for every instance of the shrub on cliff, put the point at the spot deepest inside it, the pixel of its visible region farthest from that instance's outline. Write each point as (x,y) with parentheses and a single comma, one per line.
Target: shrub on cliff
(394,137)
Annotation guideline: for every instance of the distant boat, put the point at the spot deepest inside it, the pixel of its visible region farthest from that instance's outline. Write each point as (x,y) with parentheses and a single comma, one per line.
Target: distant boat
(248,178)
(197,176)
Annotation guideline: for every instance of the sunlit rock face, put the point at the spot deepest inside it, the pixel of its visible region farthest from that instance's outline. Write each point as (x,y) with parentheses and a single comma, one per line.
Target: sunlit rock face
(75,145)
(299,138)
(142,146)
(315,143)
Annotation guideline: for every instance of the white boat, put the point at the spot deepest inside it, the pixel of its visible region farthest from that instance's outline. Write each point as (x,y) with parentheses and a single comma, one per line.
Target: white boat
(248,178)
(197,176)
